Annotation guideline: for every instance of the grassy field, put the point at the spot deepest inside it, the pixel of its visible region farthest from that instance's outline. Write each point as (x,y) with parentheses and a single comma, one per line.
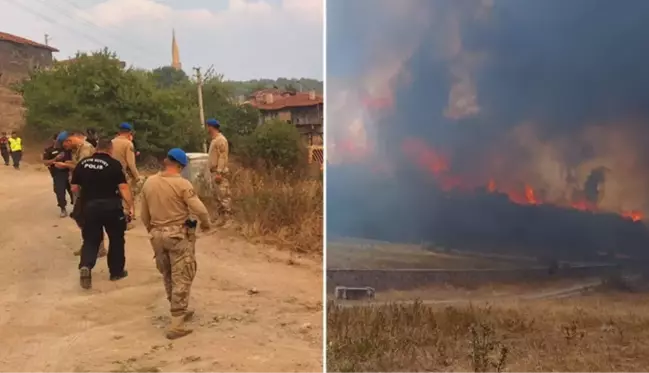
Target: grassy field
(602,332)
(489,291)
(365,254)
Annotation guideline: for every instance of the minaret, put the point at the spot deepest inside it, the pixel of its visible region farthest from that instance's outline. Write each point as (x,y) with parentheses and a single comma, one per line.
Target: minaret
(175,55)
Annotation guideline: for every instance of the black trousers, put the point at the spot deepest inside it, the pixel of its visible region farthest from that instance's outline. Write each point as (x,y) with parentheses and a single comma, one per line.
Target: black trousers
(5,157)
(97,216)
(16,157)
(61,185)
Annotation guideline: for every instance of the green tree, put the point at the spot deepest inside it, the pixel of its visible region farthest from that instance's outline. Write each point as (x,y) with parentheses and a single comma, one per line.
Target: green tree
(274,144)
(167,76)
(95,91)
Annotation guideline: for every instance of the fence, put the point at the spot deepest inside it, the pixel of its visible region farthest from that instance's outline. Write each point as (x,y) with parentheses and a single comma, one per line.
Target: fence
(316,154)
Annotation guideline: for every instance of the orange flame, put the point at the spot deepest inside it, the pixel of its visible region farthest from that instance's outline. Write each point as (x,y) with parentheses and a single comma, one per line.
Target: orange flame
(633,215)
(437,164)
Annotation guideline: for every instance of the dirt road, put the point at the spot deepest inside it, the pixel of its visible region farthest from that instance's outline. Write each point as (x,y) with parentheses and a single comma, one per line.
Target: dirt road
(565,292)
(48,323)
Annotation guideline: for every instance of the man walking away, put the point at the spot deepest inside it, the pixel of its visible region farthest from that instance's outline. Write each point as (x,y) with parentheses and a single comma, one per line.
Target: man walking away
(75,142)
(168,201)
(16,148)
(4,148)
(124,152)
(60,175)
(101,183)
(218,165)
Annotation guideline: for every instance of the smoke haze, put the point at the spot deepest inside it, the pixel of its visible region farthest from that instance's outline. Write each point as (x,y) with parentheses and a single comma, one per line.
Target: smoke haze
(431,101)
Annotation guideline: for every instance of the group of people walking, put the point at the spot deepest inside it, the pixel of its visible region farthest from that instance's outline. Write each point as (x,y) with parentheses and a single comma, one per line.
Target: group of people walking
(11,148)
(100,178)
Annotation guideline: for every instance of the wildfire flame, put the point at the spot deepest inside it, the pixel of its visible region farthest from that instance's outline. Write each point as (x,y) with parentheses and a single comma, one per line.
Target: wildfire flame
(438,165)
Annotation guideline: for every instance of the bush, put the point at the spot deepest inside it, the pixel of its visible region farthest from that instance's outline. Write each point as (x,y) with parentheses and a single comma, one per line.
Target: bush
(96,91)
(276,207)
(274,144)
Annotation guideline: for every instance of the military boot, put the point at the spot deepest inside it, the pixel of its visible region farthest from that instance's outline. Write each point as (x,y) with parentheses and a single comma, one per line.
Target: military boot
(189,314)
(177,329)
(85,278)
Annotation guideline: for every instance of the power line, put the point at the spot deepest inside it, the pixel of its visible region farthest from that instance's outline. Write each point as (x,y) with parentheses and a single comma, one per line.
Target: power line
(67,26)
(136,47)
(54,22)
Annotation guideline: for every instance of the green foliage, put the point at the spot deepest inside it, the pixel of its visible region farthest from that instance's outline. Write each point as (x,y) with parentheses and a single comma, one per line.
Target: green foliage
(274,144)
(167,76)
(95,91)
(248,87)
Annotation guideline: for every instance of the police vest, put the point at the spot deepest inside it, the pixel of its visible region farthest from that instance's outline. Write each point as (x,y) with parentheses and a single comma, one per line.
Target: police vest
(16,145)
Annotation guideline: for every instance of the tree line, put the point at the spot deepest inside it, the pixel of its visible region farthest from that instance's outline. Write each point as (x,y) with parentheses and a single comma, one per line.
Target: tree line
(95,91)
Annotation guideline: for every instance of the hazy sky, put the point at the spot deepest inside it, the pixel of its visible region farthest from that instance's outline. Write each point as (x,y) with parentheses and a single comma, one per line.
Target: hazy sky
(243,39)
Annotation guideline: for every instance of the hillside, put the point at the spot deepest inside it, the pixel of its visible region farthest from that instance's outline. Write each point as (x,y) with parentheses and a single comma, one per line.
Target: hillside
(11,109)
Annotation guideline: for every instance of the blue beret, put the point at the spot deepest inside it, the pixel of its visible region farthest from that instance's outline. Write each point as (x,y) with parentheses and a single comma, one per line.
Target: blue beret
(213,123)
(62,136)
(179,156)
(125,126)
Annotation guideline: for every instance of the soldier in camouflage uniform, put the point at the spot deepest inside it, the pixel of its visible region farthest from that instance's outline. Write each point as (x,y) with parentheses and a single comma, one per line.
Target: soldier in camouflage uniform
(124,152)
(218,164)
(168,201)
(75,141)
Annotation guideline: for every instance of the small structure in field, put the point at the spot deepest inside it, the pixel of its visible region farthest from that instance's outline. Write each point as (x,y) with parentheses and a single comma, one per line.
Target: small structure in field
(349,293)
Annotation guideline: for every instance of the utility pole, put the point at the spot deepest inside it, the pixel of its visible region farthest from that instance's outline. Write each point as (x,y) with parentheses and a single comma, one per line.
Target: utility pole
(201,112)
(47,39)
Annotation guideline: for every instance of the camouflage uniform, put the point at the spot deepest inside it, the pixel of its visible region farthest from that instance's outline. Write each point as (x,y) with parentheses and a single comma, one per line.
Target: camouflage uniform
(167,203)
(84,150)
(124,152)
(175,245)
(218,163)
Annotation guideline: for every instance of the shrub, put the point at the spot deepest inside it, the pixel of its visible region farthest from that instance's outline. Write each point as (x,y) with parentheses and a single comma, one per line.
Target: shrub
(274,144)
(276,207)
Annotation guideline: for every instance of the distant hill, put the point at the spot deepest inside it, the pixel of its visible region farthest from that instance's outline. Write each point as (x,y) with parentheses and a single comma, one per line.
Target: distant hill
(249,86)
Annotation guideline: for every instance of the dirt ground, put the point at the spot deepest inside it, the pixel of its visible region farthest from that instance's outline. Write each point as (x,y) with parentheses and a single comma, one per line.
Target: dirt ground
(48,323)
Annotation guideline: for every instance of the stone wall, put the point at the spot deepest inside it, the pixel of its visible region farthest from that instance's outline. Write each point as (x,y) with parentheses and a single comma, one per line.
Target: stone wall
(408,279)
(18,59)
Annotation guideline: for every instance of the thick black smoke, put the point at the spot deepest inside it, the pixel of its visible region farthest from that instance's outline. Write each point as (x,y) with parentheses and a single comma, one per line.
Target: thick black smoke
(566,69)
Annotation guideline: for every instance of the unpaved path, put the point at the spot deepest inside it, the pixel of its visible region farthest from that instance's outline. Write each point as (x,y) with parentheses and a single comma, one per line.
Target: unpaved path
(48,323)
(566,292)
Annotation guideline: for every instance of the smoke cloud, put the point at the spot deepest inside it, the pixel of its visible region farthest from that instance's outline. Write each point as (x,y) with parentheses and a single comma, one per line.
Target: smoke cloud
(546,102)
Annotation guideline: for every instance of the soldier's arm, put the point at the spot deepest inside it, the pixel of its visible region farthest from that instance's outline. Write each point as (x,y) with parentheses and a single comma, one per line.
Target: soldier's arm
(213,157)
(130,162)
(222,150)
(47,162)
(196,206)
(84,152)
(75,181)
(145,215)
(123,187)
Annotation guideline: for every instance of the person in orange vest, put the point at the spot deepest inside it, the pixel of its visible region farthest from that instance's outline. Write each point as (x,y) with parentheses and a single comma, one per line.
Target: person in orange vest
(16,149)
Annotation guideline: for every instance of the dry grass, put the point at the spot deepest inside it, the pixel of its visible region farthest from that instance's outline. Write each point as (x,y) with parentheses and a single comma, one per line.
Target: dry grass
(384,255)
(595,333)
(279,209)
(283,210)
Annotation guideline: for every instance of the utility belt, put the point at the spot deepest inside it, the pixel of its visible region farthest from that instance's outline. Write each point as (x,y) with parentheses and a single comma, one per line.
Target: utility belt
(187,229)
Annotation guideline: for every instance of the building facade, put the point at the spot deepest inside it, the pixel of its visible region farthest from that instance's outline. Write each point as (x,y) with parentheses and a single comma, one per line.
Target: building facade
(18,56)
(302,109)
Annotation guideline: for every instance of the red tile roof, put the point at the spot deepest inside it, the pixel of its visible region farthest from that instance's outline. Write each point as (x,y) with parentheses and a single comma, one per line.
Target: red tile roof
(284,100)
(18,40)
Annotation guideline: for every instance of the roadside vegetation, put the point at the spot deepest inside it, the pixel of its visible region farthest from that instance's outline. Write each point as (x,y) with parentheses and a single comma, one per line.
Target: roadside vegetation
(277,197)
